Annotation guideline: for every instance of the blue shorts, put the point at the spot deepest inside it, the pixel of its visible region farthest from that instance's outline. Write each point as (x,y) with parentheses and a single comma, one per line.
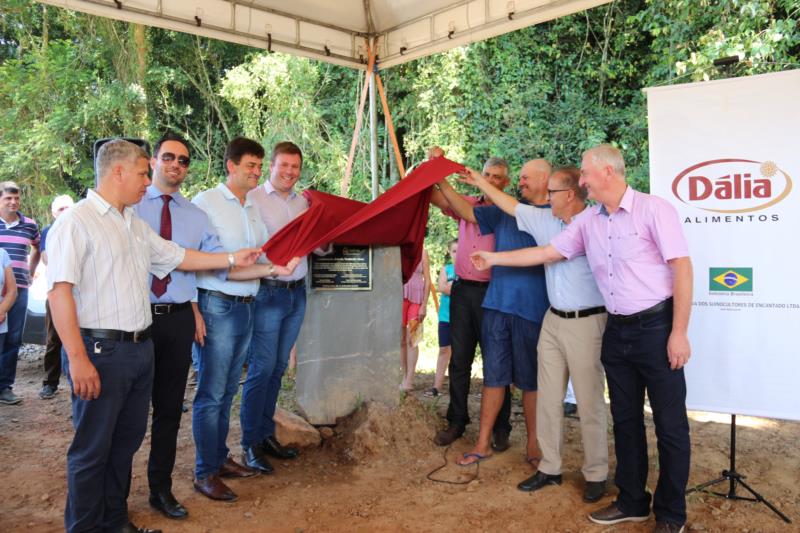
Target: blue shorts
(509,350)
(445,338)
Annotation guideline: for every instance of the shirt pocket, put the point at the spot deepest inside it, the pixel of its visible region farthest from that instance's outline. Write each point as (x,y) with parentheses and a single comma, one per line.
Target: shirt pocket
(630,245)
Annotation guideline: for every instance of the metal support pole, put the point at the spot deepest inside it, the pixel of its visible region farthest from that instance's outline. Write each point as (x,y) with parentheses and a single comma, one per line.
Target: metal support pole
(373,134)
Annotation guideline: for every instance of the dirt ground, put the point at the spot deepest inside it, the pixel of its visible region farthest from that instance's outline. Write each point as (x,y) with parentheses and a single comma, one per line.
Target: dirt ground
(372,476)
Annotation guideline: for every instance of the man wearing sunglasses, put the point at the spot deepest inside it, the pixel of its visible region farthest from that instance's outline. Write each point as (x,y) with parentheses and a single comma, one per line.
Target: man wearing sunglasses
(173,304)
(177,321)
(19,236)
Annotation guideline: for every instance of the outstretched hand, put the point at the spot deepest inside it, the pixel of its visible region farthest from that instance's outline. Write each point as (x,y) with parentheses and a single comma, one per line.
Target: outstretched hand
(482,260)
(246,256)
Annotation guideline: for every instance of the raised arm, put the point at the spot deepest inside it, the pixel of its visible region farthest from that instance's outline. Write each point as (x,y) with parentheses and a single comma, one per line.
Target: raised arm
(538,255)
(502,200)
(462,208)
(678,348)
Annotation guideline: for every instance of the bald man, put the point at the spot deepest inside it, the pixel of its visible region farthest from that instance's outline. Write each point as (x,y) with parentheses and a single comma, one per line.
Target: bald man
(513,310)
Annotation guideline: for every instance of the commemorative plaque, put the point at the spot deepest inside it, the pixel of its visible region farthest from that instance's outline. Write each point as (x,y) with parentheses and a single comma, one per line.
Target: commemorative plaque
(348,268)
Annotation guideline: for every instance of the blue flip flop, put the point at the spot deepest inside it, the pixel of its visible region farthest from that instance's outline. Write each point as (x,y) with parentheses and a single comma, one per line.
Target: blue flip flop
(479,458)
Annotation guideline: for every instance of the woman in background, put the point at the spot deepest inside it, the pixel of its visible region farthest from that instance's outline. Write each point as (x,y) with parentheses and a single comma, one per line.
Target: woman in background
(415,303)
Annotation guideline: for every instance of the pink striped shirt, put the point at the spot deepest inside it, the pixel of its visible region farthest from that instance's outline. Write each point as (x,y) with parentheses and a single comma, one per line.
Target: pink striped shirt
(628,250)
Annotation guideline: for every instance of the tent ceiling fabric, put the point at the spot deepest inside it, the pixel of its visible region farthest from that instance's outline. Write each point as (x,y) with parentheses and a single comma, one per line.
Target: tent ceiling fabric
(334,30)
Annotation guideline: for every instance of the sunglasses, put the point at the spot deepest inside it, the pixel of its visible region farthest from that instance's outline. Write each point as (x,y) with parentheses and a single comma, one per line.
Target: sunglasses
(169,157)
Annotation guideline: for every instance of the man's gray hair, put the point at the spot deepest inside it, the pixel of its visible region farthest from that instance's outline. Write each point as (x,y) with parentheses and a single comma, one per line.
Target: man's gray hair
(496,162)
(117,151)
(607,155)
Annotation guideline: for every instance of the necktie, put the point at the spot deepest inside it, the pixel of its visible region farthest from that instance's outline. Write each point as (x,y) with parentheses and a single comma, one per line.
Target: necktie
(159,286)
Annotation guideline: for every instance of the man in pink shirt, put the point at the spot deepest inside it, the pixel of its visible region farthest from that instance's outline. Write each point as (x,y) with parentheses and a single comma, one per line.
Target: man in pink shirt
(639,257)
(466,312)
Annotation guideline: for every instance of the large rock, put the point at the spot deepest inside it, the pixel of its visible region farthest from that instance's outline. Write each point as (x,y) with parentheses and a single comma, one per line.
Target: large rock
(291,430)
(349,348)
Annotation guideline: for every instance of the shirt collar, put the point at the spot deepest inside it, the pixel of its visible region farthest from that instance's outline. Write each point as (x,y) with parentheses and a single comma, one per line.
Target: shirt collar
(102,206)
(270,189)
(228,195)
(626,203)
(154,192)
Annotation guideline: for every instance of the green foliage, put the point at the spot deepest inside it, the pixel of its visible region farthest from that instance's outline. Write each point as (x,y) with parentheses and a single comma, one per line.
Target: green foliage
(551,91)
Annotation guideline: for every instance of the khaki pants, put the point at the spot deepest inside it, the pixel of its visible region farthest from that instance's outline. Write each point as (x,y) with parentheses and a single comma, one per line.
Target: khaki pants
(570,347)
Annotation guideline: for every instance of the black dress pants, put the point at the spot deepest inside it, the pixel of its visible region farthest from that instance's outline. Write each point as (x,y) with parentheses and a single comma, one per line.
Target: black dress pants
(466,315)
(52,351)
(634,356)
(172,335)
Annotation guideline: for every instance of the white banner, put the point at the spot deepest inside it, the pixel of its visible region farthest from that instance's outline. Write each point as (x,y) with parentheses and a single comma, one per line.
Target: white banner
(725,154)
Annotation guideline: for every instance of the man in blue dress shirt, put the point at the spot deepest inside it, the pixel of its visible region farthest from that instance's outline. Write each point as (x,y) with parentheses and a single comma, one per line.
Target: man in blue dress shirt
(176,320)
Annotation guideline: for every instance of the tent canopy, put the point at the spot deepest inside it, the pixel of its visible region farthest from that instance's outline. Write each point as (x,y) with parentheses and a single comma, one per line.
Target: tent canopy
(335,30)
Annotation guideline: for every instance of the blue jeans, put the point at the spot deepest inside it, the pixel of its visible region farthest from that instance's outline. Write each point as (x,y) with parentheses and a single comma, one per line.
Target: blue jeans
(108,431)
(229,326)
(10,349)
(279,315)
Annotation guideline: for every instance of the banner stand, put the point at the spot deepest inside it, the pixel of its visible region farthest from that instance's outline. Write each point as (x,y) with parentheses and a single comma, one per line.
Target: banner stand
(735,478)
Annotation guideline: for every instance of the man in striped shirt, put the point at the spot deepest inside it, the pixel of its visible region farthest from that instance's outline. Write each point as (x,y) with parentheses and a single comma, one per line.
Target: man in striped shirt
(19,236)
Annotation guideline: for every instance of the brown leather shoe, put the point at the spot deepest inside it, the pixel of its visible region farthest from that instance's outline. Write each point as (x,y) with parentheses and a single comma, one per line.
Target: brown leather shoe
(446,436)
(231,468)
(213,487)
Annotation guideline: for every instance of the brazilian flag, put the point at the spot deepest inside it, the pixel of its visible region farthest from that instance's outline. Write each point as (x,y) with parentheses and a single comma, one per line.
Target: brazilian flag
(730,279)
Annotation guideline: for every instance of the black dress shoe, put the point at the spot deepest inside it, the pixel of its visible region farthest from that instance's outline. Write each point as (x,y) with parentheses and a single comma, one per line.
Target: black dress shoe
(539,480)
(272,447)
(594,491)
(253,457)
(500,441)
(130,528)
(446,436)
(166,503)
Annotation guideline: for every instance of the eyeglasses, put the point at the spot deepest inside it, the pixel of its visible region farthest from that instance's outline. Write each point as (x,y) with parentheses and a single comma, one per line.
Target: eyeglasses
(551,191)
(169,157)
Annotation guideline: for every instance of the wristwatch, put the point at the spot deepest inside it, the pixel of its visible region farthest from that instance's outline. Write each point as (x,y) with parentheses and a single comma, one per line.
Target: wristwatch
(271,272)
(231,261)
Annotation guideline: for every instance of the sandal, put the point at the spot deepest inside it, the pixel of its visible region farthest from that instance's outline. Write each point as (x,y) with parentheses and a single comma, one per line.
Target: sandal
(433,392)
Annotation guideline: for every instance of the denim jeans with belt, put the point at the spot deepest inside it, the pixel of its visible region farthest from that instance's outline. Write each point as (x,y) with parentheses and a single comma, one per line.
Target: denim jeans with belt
(634,356)
(279,315)
(229,327)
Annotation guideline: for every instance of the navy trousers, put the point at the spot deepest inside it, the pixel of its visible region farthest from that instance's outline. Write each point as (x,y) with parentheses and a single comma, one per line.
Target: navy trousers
(108,431)
(634,356)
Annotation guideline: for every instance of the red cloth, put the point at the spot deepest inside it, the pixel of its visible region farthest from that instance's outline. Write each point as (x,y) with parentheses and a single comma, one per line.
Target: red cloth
(396,218)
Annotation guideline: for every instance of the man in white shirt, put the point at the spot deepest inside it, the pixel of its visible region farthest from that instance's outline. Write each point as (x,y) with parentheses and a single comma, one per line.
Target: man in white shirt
(100,254)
